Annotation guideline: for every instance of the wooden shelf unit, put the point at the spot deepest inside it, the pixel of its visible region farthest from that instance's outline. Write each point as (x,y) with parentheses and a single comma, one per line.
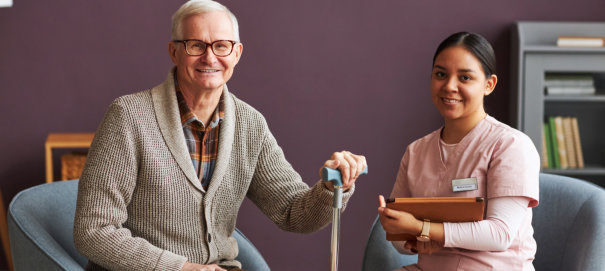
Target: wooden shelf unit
(64,140)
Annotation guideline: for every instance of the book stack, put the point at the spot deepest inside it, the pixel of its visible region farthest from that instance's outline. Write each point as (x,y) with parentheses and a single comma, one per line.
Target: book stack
(569,84)
(580,41)
(561,145)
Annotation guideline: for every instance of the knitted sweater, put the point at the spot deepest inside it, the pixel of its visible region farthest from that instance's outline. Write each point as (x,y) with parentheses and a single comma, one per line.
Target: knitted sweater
(141,206)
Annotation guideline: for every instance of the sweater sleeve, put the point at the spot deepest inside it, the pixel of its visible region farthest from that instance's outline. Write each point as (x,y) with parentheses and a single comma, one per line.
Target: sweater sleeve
(279,192)
(104,192)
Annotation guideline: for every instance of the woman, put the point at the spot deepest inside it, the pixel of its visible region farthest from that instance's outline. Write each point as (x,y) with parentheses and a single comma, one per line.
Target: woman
(501,163)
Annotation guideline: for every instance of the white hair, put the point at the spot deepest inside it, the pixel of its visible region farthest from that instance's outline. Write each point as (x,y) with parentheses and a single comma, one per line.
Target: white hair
(196,7)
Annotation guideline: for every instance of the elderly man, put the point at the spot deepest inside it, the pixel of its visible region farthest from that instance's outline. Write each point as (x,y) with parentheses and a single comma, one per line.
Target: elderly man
(169,167)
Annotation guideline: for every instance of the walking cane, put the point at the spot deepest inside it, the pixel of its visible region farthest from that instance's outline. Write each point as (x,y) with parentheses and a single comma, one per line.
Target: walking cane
(334,176)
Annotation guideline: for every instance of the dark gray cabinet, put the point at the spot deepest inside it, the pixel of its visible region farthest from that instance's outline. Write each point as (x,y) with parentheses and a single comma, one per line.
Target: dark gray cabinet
(535,54)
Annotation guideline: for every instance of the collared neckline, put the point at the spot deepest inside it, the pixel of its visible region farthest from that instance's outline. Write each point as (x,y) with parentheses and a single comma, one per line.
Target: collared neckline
(188,117)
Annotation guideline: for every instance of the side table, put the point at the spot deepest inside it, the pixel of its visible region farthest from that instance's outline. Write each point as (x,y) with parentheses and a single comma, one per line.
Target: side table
(64,140)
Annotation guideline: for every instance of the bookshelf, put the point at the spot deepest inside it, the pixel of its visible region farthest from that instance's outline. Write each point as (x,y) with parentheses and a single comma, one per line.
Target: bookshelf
(63,140)
(534,55)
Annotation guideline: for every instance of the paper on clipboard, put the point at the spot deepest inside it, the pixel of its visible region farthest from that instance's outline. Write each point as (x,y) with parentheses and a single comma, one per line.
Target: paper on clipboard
(440,209)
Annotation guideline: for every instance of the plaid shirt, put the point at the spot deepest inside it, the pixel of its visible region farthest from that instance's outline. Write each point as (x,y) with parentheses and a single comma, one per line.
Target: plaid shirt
(202,140)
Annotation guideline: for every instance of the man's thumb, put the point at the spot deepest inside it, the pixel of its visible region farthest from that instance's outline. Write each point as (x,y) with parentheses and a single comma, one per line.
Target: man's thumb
(333,164)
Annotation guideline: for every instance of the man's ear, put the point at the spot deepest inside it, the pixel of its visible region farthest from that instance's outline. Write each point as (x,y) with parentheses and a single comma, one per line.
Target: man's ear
(172,51)
(491,84)
(237,50)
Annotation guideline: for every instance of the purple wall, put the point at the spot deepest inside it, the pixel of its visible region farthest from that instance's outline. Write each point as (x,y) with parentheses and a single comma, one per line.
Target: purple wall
(328,76)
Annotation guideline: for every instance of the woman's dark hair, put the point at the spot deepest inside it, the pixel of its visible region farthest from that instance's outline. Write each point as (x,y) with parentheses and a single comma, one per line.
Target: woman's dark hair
(474,43)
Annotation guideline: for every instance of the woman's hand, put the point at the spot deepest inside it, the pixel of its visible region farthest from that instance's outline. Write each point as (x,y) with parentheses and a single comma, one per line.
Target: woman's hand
(350,166)
(397,222)
(198,267)
(423,247)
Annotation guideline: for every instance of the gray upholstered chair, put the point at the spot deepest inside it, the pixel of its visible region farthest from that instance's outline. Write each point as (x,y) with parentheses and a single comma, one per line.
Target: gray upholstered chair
(569,227)
(380,255)
(41,220)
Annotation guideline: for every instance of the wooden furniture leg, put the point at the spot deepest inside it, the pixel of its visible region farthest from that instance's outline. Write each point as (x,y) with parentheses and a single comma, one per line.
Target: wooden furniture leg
(4,234)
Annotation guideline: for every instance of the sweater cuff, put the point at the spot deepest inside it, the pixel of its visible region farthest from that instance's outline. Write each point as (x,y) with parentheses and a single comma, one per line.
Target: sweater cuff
(170,261)
(346,195)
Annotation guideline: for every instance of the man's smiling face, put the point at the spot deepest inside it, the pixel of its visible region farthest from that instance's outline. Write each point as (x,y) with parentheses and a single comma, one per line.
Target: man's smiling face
(207,72)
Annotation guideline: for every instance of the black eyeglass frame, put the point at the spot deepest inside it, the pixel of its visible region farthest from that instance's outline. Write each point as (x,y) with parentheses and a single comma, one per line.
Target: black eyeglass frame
(207,45)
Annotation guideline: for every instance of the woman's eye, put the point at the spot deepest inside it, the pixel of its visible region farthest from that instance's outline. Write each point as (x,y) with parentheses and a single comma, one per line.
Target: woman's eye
(439,74)
(465,78)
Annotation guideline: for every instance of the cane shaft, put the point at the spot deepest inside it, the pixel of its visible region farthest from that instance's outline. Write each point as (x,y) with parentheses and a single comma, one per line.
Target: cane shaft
(337,207)
(335,177)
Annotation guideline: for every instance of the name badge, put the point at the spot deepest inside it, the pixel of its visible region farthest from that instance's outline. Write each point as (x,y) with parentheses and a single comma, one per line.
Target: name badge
(467,184)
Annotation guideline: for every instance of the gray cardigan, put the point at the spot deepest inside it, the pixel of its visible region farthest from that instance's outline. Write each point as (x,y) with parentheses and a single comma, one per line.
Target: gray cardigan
(141,206)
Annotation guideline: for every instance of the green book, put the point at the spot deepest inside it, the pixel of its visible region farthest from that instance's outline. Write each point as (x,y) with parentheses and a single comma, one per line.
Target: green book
(548,147)
(553,140)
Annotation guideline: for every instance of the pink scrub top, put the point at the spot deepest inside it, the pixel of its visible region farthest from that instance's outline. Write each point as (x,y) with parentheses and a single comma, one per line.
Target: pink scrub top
(505,163)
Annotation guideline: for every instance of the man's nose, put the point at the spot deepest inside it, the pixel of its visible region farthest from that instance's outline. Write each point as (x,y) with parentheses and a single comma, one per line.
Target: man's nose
(208,56)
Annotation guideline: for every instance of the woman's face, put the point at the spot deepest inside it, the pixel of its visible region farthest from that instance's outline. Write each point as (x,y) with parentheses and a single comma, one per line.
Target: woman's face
(458,85)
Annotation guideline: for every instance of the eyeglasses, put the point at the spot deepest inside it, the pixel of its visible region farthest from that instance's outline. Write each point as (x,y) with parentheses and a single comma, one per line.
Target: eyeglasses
(198,47)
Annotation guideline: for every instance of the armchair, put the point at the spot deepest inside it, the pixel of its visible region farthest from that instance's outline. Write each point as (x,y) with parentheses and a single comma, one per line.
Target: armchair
(569,228)
(41,221)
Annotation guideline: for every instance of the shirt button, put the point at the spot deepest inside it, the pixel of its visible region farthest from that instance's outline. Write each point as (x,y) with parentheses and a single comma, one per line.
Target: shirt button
(209,238)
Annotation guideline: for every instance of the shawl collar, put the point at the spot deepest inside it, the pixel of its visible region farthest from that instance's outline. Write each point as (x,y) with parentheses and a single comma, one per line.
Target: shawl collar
(225,144)
(169,121)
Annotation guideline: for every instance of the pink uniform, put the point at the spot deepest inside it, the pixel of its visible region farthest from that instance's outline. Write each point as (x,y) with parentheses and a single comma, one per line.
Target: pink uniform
(504,162)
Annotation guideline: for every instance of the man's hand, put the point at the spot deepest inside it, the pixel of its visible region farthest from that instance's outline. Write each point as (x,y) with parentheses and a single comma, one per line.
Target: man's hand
(198,267)
(350,166)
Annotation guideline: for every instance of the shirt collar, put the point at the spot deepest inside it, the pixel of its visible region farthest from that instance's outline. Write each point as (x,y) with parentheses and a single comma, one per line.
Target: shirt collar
(187,116)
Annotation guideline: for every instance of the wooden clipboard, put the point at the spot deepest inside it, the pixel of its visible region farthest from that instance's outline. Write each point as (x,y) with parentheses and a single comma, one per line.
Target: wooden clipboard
(443,209)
